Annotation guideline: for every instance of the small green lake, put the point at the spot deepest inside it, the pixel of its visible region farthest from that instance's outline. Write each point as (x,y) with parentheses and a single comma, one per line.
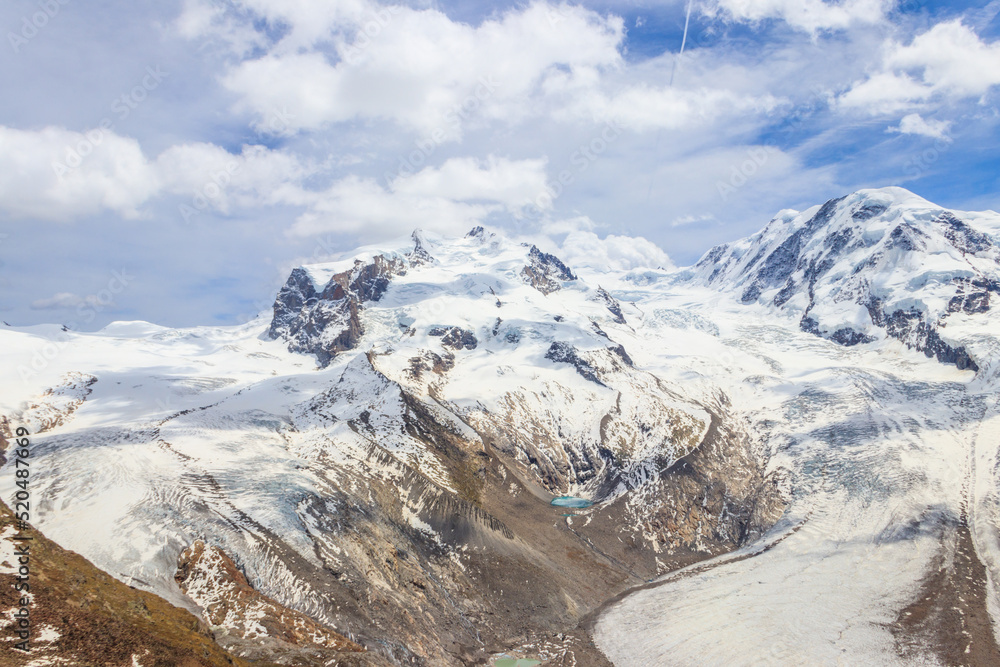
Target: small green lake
(570,501)
(514,662)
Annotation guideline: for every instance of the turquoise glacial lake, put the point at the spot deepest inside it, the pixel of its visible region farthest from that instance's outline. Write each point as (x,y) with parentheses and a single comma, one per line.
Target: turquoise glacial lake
(570,501)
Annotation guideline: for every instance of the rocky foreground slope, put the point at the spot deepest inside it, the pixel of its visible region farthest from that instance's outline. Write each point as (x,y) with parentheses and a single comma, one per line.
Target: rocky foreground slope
(81,616)
(372,466)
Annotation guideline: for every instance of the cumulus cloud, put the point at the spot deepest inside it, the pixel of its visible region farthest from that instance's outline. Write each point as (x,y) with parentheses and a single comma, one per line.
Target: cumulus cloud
(916,124)
(438,77)
(301,23)
(644,107)
(448,199)
(513,183)
(107,172)
(59,175)
(585,249)
(949,59)
(808,15)
(423,70)
(355,205)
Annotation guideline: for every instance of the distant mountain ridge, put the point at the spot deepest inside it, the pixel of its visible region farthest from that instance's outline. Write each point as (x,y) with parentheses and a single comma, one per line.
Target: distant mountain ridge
(875,264)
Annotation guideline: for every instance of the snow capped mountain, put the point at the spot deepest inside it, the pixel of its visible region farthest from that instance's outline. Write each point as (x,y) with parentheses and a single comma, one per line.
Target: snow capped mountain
(437,318)
(390,441)
(876,264)
(379,455)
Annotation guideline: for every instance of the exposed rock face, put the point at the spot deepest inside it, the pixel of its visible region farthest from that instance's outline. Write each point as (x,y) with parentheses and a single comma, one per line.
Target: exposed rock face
(712,499)
(56,406)
(246,618)
(567,354)
(81,616)
(912,328)
(326,321)
(455,337)
(6,434)
(612,304)
(545,272)
(877,263)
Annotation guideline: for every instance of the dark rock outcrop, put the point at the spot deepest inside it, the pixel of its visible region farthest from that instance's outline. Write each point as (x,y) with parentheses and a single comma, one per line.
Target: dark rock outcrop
(545,272)
(612,305)
(456,338)
(857,250)
(326,322)
(567,354)
(912,328)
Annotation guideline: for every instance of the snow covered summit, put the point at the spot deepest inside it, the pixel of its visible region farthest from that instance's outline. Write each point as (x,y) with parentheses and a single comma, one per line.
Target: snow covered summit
(875,264)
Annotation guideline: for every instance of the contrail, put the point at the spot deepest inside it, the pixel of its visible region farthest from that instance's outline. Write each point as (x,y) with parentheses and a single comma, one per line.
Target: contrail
(673,70)
(684,39)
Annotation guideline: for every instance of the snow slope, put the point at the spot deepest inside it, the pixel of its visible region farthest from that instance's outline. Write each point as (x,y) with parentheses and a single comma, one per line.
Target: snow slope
(365,420)
(379,453)
(876,264)
(890,460)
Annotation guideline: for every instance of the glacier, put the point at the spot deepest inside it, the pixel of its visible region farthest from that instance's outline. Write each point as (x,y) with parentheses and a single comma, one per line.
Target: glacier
(789,447)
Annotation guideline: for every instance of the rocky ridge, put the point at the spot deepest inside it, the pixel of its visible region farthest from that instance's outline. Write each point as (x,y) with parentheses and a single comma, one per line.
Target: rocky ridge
(876,264)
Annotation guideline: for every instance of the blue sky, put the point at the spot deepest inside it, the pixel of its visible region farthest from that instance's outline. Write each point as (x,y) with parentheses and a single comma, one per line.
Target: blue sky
(199,149)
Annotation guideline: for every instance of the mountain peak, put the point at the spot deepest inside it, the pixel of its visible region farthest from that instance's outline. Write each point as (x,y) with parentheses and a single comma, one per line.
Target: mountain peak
(874,264)
(320,308)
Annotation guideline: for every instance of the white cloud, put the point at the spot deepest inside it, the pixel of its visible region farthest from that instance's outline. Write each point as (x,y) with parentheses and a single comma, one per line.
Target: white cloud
(356,205)
(585,249)
(312,21)
(449,199)
(209,20)
(644,107)
(67,300)
(439,77)
(513,183)
(57,174)
(885,92)
(425,71)
(114,175)
(953,59)
(949,59)
(692,219)
(206,172)
(916,124)
(301,23)
(60,175)
(808,15)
